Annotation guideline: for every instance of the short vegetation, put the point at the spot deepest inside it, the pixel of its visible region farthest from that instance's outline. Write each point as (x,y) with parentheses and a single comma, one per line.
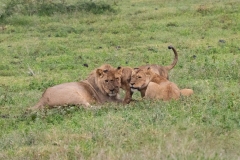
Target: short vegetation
(48,42)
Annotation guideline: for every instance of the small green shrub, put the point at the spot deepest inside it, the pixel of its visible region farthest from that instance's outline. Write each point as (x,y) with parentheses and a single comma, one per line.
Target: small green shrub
(5,96)
(4,67)
(6,73)
(48,8)
(96,8)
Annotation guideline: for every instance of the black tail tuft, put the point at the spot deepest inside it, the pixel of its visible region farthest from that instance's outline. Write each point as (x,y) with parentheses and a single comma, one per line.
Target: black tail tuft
(170,47)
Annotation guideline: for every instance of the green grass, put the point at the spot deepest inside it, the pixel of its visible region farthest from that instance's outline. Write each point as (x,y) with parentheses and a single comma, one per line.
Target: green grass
(48,44)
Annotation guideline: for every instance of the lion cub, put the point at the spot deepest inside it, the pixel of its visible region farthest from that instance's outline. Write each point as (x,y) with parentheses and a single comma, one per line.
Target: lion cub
(154,86)
(124,76)
(100,86)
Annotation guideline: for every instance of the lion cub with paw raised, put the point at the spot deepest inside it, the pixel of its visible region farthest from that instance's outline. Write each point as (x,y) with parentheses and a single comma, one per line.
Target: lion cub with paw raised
(154,86)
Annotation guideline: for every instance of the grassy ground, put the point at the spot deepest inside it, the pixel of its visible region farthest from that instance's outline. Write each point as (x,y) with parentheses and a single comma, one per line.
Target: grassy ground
(42,44)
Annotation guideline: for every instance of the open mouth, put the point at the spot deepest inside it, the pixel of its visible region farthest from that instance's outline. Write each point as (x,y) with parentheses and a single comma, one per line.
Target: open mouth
(112,94)
(133,89)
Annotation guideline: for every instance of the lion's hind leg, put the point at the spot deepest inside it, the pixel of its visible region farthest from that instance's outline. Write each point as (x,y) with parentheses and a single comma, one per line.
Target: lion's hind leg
(164,91)
(154,91)
(173,91)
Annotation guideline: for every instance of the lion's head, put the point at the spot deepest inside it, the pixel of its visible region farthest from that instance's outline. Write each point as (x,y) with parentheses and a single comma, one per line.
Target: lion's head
(107,81)
(140,79)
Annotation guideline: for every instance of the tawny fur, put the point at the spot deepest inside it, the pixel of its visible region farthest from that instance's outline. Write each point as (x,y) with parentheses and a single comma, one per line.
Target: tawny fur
(163,70)
(186,92)
(164,91)
(154,86)
(100,86)
(127,72)
(125,77)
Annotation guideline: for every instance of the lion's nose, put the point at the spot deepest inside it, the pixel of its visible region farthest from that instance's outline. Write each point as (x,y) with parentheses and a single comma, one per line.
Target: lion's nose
(132,83)
(111,90)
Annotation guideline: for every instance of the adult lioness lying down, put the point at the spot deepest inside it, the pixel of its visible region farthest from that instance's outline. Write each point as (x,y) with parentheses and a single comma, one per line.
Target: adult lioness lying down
(101,86)
(161,70)
(154,86)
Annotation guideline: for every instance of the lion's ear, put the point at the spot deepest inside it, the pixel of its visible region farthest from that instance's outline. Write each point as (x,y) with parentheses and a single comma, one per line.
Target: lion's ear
(135,69)
(119,70)
(100,72)
(148,72)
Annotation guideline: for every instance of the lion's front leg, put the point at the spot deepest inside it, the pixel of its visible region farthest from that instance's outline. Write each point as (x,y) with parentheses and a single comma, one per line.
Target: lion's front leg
(143,92)
(128,97)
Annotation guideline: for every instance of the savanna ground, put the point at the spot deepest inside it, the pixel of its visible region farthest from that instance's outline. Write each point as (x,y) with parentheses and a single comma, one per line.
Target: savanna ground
(43,43)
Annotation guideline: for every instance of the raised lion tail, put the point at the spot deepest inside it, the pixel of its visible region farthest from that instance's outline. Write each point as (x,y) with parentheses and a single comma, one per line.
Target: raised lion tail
(175,60)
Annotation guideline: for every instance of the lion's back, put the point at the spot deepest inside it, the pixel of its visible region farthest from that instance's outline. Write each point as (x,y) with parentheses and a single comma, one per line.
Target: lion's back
(165,91)
(72,93)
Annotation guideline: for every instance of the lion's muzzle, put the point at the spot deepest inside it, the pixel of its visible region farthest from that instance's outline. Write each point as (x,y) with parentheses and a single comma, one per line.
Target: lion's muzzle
(112,94)
(134,89)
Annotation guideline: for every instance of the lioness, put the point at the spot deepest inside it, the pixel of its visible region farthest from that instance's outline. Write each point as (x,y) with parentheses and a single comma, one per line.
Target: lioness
(154,86)
(100,86)
(126,73)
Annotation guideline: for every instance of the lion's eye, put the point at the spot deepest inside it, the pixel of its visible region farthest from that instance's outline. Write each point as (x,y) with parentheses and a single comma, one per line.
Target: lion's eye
(139,77)
(117,78)
(106,81)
